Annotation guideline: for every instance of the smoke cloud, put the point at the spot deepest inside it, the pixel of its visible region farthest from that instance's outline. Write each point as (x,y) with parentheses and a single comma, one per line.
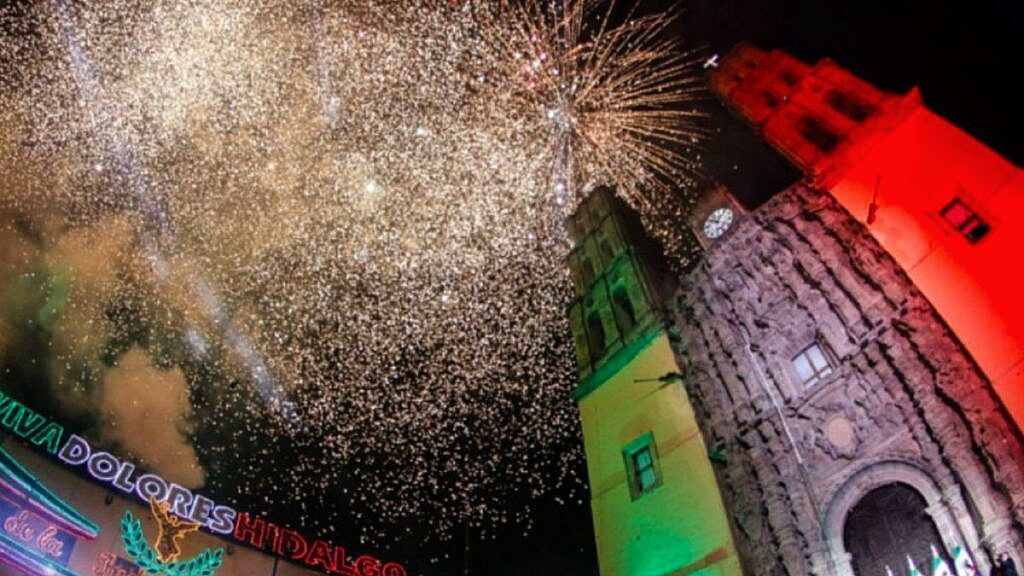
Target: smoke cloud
(146,411)
(84,269)
(62,285)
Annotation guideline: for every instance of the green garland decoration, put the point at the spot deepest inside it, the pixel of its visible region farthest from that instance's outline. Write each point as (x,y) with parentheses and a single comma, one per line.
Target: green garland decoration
(136,547)
(205,563)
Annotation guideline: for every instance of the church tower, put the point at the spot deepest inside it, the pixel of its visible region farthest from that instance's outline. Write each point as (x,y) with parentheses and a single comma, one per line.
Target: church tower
(654,495)
(946,207)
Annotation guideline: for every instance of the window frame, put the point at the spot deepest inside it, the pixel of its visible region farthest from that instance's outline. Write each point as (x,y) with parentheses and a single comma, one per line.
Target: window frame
(818,374)
(972,227)
(644,443)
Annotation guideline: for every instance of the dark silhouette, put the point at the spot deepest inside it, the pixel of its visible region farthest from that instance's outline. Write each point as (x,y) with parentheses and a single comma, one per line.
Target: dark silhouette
(1008,566)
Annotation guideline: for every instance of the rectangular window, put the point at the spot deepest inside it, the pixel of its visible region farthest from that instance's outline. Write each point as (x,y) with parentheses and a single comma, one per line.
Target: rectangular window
(812,365)
(965,220)
(642,466)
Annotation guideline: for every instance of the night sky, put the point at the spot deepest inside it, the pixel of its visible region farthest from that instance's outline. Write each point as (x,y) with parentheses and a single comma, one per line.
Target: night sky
(963,56)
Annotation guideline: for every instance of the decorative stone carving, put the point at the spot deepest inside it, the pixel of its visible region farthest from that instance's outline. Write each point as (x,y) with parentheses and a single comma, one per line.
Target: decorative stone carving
(904,402)
(841,436)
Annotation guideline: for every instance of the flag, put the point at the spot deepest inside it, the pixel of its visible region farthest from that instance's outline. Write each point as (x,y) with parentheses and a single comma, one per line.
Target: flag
(963,562)
(939,566)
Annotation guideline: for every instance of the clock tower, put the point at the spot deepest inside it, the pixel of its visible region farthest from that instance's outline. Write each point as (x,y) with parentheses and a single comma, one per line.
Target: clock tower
(714,216)
(654,495)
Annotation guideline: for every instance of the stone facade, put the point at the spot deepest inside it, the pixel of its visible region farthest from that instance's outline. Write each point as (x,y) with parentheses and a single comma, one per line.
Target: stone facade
(903,402)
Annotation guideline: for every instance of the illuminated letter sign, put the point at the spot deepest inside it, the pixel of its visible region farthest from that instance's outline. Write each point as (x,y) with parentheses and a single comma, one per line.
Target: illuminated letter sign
(75,452)
(25,423)
(178,501)
(23,526)
(321,555)
(182,502)
(108,564)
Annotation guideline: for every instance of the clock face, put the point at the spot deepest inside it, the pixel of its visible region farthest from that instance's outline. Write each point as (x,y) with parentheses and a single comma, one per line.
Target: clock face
(718,222)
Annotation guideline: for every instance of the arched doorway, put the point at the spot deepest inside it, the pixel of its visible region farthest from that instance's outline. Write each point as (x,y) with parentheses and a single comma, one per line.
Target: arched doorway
(885,526)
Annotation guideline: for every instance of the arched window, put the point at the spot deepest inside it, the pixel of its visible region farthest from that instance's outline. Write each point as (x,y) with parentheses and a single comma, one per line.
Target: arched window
(817,134)
(625,316)
(587,267)
(607,254)
(847,106)
(595,336)
(788,78)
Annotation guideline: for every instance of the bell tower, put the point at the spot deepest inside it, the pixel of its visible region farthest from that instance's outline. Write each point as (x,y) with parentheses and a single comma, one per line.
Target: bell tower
(654,496)
(816,116)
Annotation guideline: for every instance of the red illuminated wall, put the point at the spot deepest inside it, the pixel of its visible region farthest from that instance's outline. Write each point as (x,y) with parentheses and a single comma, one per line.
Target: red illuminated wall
(895,166)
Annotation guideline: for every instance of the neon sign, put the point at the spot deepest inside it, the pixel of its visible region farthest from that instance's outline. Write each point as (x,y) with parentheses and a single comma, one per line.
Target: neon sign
(108,564)
(22,527)
(316,554)
(25,423)
(106,467)
(28,528)
(182,502)
(38,530)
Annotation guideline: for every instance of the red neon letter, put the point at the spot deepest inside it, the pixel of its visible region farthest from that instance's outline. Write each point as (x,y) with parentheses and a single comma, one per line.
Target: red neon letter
(392,569)
(292,543)
(319,555)
(368,566)
(341,563)
(250,531)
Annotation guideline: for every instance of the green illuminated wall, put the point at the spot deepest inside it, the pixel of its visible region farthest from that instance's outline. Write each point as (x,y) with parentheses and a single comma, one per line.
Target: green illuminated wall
(680,527)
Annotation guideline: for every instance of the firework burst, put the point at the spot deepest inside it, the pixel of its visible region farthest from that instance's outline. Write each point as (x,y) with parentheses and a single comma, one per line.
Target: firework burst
(621,98)
(369,195)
